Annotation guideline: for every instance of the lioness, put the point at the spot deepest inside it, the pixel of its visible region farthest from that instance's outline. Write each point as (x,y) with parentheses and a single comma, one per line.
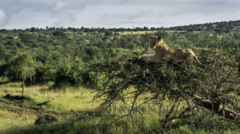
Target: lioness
(162,50)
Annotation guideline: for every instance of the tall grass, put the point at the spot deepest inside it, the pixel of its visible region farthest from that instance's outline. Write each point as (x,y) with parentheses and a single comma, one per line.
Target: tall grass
(79,100)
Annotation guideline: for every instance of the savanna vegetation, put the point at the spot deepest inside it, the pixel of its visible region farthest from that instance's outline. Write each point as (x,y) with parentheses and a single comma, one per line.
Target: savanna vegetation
(89,80)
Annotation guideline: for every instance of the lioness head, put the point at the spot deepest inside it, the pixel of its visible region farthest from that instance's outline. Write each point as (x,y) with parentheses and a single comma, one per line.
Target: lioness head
(154,41)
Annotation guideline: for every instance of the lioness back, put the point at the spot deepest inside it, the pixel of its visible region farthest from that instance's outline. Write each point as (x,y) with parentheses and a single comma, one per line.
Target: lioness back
(162,50)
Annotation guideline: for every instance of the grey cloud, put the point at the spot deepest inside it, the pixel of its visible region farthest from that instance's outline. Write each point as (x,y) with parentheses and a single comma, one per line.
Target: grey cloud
(66,12)
(115,17)
(66,20)
(37,6)
(171,13)
(125,1)
(203,7)
(105,17)
(3,17)
(119,17)
(218,10)
(17,6)
(140,14)
(61,12)
(27,13)
(97,2)
(60,6)
(162,14)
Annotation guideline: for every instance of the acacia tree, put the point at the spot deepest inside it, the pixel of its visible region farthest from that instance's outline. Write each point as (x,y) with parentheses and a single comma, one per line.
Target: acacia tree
(209,95)
(23,66)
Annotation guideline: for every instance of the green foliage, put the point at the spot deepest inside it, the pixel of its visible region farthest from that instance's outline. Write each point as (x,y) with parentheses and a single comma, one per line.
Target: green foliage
(68,73)
(108,33)
(44,74)
(27,38)
(164,34)
(98,45)
(230,25)
(221,31)
(59,34)
(189,30)
(90,57)
(23,67)
(75,73)
(207,94)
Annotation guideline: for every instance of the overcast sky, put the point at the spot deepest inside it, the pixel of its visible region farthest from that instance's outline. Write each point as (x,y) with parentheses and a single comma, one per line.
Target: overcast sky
(114,13)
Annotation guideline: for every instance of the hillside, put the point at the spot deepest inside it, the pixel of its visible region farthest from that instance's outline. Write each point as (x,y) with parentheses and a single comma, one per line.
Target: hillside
(228,25)
(225,25)
(89,80)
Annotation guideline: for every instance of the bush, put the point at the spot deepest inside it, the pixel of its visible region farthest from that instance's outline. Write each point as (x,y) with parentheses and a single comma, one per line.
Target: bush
(44,74)
(74,73)
(108,33)
(164,34)
(208,94)
(59,33)
(68,73)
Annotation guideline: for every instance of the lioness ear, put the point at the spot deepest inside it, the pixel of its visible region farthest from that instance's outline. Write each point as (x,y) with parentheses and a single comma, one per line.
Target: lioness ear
(159,37)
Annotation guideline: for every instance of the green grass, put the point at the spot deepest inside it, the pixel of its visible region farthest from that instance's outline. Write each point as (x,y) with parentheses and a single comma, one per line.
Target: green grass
(133,32)
(79,101)
(4,105)
(11,84)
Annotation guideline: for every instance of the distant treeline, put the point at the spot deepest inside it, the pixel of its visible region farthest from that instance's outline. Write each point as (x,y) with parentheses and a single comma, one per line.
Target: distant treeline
(227,25)
(224,25)
(63,55)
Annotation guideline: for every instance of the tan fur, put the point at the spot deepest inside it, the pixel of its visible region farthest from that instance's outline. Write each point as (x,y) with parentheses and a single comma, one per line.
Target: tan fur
(162,50)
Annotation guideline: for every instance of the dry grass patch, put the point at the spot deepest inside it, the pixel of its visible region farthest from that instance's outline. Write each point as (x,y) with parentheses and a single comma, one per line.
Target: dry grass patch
(78,100)
(133,32)
(9,119)
(59,101)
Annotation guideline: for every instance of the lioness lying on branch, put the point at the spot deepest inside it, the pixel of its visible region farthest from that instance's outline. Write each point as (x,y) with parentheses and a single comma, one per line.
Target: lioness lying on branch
(162,50)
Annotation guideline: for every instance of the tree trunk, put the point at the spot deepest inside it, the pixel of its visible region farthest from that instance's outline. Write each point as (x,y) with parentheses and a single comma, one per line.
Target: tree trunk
(22,86)
(217,108)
